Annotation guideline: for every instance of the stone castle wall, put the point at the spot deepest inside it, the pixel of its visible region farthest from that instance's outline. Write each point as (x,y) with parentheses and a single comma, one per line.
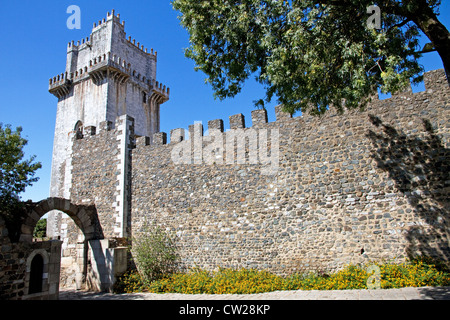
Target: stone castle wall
(304,193)
(100,165)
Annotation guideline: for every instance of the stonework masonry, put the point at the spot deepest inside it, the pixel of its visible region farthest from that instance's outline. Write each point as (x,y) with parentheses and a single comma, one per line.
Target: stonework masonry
(294,194)
(347,188)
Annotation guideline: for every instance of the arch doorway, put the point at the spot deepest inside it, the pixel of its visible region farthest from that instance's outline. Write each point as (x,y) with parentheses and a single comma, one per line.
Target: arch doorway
(40,283)
(36,274)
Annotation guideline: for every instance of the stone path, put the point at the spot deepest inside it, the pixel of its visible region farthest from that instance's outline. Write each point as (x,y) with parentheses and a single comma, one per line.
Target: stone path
(423,293)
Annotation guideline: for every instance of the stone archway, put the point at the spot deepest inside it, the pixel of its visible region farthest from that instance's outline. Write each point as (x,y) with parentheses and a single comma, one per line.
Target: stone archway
(85,217)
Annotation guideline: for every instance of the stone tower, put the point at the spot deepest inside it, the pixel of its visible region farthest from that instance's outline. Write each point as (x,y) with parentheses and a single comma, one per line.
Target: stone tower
(106,76)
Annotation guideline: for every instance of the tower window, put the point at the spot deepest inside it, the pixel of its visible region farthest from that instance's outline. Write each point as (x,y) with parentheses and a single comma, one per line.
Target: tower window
(78,129)
(78,126)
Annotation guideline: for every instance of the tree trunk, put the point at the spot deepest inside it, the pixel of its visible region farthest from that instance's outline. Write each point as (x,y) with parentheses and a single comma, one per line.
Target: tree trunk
(428,22)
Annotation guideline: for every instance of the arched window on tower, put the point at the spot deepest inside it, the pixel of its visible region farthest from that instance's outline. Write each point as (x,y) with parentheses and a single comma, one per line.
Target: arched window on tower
(78,128)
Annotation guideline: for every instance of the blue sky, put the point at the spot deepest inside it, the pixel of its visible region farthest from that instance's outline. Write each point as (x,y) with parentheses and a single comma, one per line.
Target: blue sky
(34,38)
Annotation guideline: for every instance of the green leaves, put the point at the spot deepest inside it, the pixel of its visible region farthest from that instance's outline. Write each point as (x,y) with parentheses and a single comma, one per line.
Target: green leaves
(155,253)
(40,231)
(15,173)
(309,54)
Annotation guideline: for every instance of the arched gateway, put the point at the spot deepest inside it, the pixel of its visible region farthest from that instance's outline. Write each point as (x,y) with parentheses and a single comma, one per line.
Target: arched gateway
(93,270)
(85,217)
(33,270)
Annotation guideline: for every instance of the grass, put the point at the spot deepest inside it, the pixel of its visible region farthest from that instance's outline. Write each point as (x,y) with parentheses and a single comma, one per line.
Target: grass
(418,272)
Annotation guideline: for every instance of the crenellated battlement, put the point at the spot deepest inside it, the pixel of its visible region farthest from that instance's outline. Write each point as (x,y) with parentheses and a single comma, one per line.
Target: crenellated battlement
(96,59)
(434,80)
(103,128)
(86,42)
(71,46)
(110,18)
(138,45)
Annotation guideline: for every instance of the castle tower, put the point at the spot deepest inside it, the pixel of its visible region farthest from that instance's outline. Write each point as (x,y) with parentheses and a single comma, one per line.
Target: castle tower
(106,76)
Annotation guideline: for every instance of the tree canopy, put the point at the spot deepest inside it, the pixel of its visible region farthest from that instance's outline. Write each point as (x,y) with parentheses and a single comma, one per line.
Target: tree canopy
(15,172)
(312,54)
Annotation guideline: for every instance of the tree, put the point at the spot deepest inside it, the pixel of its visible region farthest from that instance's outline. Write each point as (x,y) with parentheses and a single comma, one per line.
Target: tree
(40,231)
(15,173)
(312,54)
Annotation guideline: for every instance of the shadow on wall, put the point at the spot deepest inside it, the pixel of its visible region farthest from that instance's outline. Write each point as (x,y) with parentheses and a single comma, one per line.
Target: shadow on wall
(439,293)
(419,165)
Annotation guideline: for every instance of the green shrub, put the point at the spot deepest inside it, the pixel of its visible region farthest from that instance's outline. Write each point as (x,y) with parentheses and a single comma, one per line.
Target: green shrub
(154,253)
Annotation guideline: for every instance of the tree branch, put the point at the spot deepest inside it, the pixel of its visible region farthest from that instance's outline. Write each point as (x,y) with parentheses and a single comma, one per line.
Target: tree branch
(399,25)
